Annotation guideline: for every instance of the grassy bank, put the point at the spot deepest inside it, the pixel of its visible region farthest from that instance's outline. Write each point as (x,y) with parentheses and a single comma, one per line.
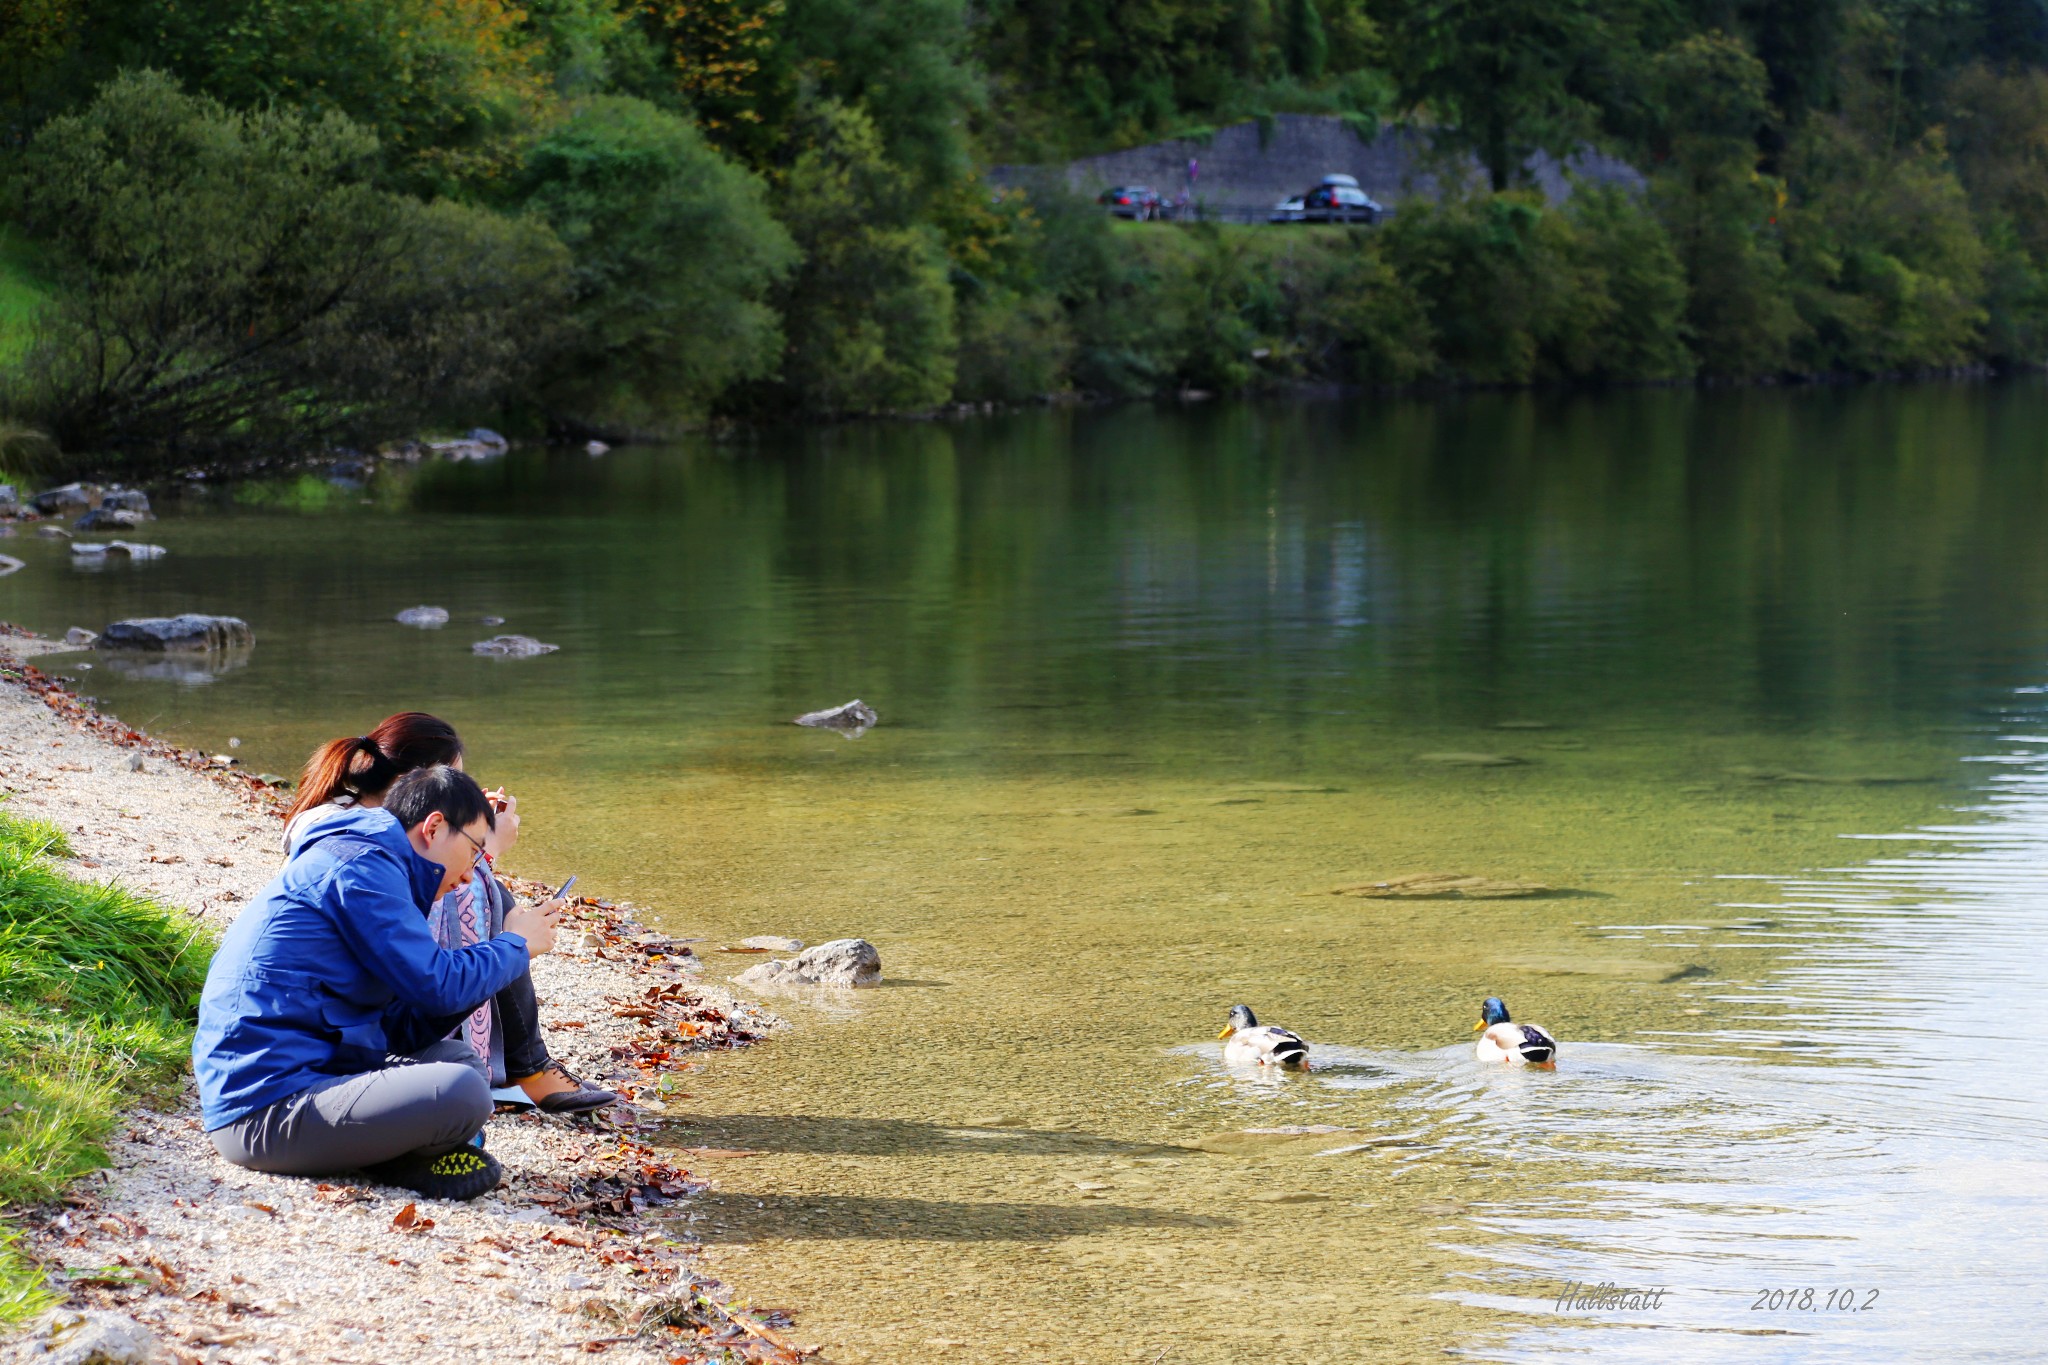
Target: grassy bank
(98,991)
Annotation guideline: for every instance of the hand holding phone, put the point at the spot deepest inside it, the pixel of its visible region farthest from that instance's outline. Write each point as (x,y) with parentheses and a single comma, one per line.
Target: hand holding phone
(563,894)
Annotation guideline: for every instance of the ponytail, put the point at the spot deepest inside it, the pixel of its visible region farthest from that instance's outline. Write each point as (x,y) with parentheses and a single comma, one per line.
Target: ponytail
(342,767)
(367,765)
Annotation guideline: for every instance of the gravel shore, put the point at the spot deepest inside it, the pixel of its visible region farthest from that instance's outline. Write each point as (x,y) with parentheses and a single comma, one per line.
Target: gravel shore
(570,1257)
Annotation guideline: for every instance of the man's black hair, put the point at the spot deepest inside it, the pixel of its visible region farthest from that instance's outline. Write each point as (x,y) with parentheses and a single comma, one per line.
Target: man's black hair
(454,793)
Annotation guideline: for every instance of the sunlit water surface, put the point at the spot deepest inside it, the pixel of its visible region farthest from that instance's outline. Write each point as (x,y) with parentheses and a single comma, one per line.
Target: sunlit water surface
(1151,684)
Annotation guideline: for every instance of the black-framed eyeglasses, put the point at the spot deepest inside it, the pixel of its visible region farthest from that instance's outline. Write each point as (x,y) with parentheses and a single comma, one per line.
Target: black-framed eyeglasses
(480,853)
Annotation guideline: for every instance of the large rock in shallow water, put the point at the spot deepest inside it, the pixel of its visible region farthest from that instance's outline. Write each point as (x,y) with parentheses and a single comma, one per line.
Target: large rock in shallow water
(844,962)
(72,497)
(851,720)
(103,518)
(193,632)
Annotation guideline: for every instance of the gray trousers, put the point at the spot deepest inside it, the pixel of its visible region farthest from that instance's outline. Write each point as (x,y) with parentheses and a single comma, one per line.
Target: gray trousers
(426,1104)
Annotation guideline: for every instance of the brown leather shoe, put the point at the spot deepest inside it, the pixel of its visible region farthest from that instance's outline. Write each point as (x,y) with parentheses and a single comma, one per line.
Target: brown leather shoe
(582,1100)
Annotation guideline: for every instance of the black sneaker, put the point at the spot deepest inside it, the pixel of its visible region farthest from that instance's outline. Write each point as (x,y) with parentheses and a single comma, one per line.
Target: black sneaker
(463,1173)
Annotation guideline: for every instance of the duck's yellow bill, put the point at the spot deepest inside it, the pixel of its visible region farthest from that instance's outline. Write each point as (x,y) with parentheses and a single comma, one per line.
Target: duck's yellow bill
(1478,1026)
(1227,1031)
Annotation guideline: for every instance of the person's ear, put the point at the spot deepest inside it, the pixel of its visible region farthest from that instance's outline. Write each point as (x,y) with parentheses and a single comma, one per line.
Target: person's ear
(429,829)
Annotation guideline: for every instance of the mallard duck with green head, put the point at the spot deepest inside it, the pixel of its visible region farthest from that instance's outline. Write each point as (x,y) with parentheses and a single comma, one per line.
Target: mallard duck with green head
(1247,1042)
(1501,1039)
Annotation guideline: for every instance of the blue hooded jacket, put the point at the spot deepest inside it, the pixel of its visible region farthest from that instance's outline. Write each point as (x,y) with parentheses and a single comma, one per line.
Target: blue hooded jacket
(331,969)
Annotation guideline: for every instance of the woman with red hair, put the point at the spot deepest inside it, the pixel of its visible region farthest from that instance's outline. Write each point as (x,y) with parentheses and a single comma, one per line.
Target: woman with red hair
(505,1033)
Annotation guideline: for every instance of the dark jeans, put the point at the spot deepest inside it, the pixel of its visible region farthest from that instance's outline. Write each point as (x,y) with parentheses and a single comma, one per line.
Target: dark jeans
(526,1052)
(425,1104)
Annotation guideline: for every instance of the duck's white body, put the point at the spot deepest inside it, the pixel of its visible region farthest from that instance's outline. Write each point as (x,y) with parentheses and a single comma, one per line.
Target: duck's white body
(1265,1045)
(1512,1042)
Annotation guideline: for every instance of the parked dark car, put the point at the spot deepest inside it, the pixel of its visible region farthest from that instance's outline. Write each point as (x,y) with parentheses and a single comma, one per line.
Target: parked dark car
(1133,201)
(1336,200)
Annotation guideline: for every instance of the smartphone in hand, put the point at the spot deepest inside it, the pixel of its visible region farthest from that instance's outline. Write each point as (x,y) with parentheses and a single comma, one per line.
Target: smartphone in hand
(563,894)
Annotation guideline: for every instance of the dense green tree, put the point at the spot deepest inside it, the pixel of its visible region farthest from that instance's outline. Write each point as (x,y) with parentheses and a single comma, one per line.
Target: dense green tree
(1884,261)
(869,314)
(675,256)
(439,82)
(1308,46)
(1719,211)
(227,275)
(1500,78)
(905,63)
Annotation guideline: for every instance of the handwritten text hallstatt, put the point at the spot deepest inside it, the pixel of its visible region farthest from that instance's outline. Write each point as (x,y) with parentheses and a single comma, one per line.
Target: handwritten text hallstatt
(1579,1297)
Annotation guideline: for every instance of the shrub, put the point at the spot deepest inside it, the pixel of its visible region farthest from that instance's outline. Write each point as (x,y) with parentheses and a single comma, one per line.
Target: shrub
(1013,346)
(1627,258)
(1886,266)
(675,255)
(222,276)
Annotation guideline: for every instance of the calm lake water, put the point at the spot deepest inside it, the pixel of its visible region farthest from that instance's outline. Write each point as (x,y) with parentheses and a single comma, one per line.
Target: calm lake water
(1773,667)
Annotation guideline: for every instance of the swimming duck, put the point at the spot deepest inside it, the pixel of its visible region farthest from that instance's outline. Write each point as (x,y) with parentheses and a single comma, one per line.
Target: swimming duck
(1252,1043)
(1503,1040)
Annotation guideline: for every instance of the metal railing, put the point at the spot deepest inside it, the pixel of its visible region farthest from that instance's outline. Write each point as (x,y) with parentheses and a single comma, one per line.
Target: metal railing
(1264,213)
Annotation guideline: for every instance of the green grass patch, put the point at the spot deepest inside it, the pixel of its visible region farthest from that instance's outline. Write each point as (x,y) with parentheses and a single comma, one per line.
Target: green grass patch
(22,295)
(99,989)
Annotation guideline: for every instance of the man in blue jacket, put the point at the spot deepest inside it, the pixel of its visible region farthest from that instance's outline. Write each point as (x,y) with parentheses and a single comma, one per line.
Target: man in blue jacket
(322,1042)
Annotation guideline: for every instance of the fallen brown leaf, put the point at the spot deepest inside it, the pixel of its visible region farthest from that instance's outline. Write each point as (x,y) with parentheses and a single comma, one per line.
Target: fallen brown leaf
(408,1219)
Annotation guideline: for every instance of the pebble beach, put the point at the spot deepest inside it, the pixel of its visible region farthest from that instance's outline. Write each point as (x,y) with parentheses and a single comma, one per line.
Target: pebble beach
(172,1254)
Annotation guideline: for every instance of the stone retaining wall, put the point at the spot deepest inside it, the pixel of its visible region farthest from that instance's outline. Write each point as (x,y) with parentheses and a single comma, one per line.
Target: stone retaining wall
(1239,172)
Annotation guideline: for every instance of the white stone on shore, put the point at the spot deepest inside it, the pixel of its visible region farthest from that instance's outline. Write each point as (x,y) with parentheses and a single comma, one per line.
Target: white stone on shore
(70,1337)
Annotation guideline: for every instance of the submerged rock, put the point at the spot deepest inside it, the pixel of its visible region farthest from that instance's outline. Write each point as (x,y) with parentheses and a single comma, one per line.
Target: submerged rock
(596,448)
(1830,780)
(119,499)
(427,618)
(9,564)
(188,632)
(844,962)
(1295,1139)
(1463,760)
(852,720)
(512,647)
(773,943)
(1445,886)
